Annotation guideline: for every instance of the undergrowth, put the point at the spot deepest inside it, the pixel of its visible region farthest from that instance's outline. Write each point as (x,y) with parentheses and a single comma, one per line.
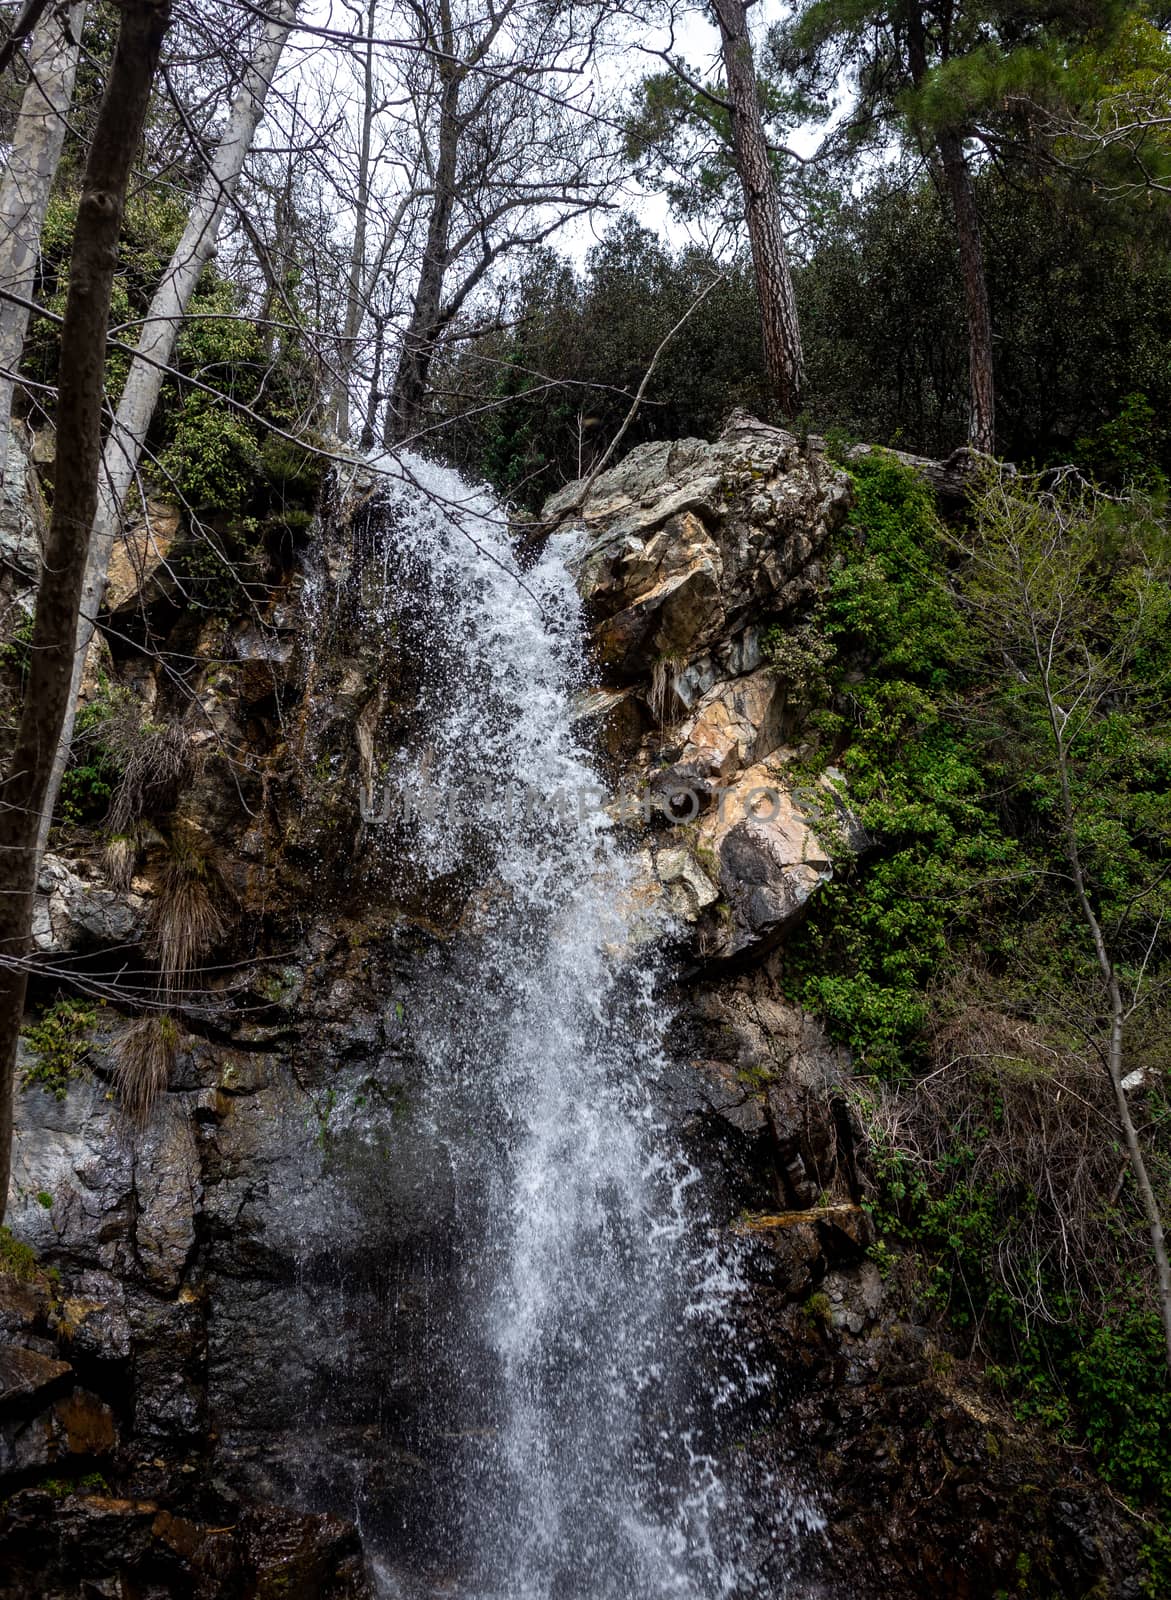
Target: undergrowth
(950,957)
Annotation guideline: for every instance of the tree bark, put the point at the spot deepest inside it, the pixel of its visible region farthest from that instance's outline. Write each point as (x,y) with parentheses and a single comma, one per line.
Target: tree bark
(354,296)
(981,392)
(374,395)
(81,386)
(25,23)
(28,180)
(779,326)
(426,323)
(156,345)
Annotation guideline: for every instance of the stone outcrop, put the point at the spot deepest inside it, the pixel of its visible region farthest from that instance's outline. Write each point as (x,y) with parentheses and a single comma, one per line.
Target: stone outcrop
(74,913)
(687,555)
(281,1225)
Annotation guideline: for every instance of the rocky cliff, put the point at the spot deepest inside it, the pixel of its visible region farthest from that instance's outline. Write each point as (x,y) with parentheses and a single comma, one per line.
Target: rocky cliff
(220,1362)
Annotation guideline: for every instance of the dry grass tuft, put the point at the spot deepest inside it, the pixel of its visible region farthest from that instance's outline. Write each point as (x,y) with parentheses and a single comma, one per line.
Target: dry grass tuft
(144,1055)
(661,695)
(186,921)
(118,859)
(158,764)
(1030,1109)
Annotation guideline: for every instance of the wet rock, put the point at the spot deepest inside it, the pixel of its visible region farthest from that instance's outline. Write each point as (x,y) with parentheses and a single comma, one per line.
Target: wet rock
(75,1151)
(81,1546)
(76,1430)
(28,1380)
(168,1191)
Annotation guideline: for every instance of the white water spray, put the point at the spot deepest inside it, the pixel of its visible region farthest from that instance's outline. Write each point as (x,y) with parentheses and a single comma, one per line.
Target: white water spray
(589,1460)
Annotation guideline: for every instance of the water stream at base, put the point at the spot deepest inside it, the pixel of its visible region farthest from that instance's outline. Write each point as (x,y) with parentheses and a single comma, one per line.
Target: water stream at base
(593,1429)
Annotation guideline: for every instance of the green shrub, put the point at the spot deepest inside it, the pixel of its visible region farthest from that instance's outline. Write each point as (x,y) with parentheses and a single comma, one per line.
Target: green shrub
(877,934)
(15,651)
(212,458)
(59,1042)
(16,1258)
(950,956)
(95,762)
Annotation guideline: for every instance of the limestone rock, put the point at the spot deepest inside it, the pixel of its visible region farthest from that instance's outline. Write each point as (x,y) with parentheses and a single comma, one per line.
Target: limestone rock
(741,873)
(681,543)
(139,556)
(72,913)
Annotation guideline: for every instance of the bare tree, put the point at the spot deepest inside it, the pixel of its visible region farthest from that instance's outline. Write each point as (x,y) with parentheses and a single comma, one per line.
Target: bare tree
(356,286)
(30,15)
(37,142)
(123,448)
(506,156)
(81,387)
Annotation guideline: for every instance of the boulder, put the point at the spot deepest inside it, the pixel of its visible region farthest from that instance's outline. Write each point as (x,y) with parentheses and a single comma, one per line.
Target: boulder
(73,913)
(139,556)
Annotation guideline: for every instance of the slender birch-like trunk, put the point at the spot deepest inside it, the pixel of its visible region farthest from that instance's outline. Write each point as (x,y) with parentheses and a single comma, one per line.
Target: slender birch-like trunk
(37,141)
(123,449)
(80,392)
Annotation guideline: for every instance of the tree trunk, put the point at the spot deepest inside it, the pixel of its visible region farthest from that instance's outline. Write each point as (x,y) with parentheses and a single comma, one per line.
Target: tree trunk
(981,393)
(779,326)
(1041,641)
(354,296)
(25,23)
(414,367)
(28,179)
(156,345)
(375,392)
(81,386)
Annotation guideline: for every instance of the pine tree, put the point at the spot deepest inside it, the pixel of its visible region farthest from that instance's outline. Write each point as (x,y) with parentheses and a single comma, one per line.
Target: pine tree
(952,77)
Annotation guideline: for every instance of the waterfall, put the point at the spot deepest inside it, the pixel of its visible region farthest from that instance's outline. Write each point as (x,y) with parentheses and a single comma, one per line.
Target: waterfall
(592,1426)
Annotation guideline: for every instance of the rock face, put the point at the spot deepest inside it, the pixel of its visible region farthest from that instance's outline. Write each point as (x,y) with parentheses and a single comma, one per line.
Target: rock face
(232,1363)
(74,913)
(688,556)
(23,519)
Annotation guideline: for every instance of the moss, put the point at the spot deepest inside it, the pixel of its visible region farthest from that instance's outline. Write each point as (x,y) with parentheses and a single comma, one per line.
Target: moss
(755,1077)
(819,1310)
(17,1258)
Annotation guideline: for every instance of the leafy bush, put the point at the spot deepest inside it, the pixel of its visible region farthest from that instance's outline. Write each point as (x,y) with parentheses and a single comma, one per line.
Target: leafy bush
(59,1041)
(95,758)
(876,935)
(212,458)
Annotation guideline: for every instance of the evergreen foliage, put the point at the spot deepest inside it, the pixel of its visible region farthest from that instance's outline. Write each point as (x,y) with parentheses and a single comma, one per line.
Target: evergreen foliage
(950,955)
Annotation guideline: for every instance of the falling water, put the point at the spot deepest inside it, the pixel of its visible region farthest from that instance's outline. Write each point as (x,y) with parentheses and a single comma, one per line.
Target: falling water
(591,1426)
